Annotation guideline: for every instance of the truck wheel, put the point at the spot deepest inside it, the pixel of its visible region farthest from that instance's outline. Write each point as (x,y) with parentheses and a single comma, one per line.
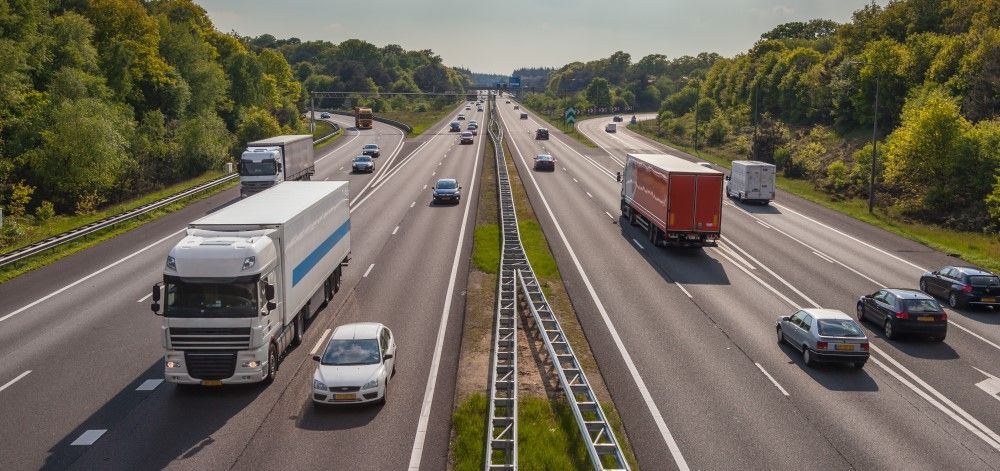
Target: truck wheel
(272,365)
(328,289)
(297,338)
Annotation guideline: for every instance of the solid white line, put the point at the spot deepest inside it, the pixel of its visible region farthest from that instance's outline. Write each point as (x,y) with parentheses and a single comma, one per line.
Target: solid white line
(413,204)
(609,215)
(394,231)
(732,253)
(823,256)
(773,381)
(355,203)
(425,409)
(319,342)
(85,278)
(756,278)
(147,296)
(369,270)
(763,224)
(11,382)
(647,397)
(684,290)
(355,136)
(980,337)
(638,244)
(88,438)
(149,385)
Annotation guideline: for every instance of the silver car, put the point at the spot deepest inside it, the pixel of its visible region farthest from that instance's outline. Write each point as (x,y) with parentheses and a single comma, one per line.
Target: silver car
(824,336)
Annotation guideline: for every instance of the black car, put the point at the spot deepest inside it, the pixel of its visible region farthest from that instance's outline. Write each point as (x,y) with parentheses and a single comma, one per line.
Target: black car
(963,286)
(904,311)
(542,133)
(455,126)
(524,115)
(371,149)
(446,190)
(544,162)
(363,164)
(617,119)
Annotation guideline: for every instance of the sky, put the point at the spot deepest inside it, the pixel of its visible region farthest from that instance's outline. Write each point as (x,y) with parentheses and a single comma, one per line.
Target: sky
(499,36)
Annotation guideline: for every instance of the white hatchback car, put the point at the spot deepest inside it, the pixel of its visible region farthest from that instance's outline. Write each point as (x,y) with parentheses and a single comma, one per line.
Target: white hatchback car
(356,365)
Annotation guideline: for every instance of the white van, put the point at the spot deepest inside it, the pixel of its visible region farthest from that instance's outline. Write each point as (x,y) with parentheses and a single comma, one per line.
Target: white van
(611,127)
(751,181)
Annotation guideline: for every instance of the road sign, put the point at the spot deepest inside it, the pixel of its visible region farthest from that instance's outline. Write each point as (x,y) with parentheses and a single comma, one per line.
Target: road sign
(515,81)
(570,115)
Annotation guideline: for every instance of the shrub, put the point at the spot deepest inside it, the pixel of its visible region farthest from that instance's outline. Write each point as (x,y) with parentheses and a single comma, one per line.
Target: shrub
(838,178)
(44,212)
(718,130)
(20,196)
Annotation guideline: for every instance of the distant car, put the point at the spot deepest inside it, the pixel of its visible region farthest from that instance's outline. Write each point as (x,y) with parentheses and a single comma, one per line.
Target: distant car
(544,162)
(371,149)
(542,133)
(455,126)
(473,122)
(467,107)
(446,190)
(461,116)
(824,336)
(963,286)
(324,116)
(356,365)
(479,109)
(611,127)
(524,115)
(516,107)
(904,311)
(363,164)
(617,119)
(508,102)
(466,138)
(474,130)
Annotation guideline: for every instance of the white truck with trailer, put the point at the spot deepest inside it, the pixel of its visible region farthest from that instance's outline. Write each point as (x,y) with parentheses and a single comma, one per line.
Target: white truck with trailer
(267,162)
(239,287)
(751,181)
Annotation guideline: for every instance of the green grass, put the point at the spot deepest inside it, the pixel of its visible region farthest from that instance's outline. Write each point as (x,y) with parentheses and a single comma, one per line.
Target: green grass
(974,247)
(536,247)
(469,423)
(322,129)
(418,120)
(486,249)
(14,270)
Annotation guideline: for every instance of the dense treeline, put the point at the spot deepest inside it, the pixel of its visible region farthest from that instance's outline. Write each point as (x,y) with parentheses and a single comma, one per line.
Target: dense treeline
(358,66)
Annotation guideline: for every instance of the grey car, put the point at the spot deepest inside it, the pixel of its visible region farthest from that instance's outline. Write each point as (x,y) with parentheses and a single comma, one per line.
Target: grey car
(446,190)
(363,164)
(824,336)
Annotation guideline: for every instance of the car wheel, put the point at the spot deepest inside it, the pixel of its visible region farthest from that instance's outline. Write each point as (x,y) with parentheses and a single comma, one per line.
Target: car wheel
(781,336)
(807,357)
(272,365)
(890,330)
(923,285)
(954,302)
(861,313)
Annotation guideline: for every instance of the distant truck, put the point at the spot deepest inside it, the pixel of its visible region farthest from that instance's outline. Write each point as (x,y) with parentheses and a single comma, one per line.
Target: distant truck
(267,162)
(678,203)
(751,181)
(239,287)
(363,118)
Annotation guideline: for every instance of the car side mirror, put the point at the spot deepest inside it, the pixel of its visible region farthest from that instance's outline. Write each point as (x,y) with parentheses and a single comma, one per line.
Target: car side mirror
(785,318)
(269,292)
(387,356)
(271,305)
(315,357)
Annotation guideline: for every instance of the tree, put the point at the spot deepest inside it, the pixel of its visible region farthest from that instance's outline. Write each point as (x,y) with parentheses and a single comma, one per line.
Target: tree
(203,143)
(598,92)
(256,124)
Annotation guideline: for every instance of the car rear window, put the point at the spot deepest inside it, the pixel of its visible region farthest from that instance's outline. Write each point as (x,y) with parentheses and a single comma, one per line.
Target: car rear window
(921,305)
(839,328)
(984,280)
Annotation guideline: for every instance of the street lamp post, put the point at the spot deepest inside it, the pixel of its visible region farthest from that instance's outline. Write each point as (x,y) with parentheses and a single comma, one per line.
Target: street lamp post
(871,176)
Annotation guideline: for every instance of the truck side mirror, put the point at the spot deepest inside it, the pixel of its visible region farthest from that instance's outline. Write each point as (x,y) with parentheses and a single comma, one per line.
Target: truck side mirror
(269,292)
(727,178)
(156,293)
(155,307)
(271,305)
(618,177)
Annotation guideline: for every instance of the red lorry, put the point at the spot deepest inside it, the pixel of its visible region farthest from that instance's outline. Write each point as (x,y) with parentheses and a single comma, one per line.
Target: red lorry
(678,203)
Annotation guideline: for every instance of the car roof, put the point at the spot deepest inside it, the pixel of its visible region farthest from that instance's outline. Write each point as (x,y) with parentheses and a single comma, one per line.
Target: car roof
(826,313)
(357,330)
(466,133)
(973,271)
(906,293)
(448,180)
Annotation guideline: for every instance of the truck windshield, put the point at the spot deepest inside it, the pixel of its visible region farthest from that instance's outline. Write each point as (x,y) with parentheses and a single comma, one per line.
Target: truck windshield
(352,352)
(263,168)
(367,116)
(223,299)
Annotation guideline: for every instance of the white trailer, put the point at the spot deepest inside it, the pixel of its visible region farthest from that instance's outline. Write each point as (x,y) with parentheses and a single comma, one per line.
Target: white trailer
(239,287)
(267,162)
(751,181)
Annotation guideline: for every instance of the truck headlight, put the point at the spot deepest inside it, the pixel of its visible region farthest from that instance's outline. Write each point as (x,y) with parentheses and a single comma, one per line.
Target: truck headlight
(251,364)
(171,263)
(248,263)
(317,384)
(371,384)
(173,364)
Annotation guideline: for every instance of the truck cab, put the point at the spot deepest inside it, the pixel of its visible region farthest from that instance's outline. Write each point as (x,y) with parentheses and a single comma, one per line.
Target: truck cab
(260,169)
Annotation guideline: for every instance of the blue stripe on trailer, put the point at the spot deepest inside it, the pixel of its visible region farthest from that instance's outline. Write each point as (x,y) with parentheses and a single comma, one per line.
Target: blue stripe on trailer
(302,269)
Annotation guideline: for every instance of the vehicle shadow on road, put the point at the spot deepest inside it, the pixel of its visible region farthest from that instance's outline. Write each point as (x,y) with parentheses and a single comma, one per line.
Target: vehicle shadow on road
(833,377)
(983,316)
(150,430)
(336,417)
(753,208)
(684,265)
(921,348)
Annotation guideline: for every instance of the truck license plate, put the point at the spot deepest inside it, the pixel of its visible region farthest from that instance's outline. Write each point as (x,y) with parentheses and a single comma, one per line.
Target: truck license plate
(211,382)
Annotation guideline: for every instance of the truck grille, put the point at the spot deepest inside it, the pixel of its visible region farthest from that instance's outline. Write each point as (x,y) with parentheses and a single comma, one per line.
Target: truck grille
(210,365)
(210,338)
(254,187)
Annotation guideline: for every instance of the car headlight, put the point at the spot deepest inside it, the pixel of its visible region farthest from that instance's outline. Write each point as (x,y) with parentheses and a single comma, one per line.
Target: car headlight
(371,384)
(317,384)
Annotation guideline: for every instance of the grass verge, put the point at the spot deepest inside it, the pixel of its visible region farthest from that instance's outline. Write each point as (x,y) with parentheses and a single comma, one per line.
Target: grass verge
(19,268)
(419,121)
(974,247)
(324,128)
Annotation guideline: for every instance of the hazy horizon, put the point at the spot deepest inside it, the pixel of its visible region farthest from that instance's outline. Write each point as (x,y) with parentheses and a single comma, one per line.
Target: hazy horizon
(568,31)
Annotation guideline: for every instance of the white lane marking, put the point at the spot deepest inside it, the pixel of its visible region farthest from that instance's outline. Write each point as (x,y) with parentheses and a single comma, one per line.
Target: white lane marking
(413,204)
(11,382)
(686,293)
(637,244)
(609,215)
(332,151)
(769,270)
(424,188)
(980,337)
(356,203)
(866,244)
(149,385)
(425,409)
(394,231)
(433,173)
(85,278)
(773,381)
(763,224)
(732,253)
(991,384)
(89,437)
(823,256)
(564,169)
(590,195)
(147,296)
(647,397)
(576,181)
(756,278)
(341,167)
(319,342)
(369,270)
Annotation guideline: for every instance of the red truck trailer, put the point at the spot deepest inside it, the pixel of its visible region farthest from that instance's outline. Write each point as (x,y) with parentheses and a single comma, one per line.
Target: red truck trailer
(677,202)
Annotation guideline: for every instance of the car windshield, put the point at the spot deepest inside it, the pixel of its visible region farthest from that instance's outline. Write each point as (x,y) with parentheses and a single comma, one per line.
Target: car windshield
(984,280)
(249,168)
(839,328)
(544,157)
(447,185)
(363,158)
(187,298)
(921,305)
(371,147)
(348,352)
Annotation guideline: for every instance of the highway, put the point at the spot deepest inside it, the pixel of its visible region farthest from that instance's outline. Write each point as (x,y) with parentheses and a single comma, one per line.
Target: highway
(685,339)
(81,381)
